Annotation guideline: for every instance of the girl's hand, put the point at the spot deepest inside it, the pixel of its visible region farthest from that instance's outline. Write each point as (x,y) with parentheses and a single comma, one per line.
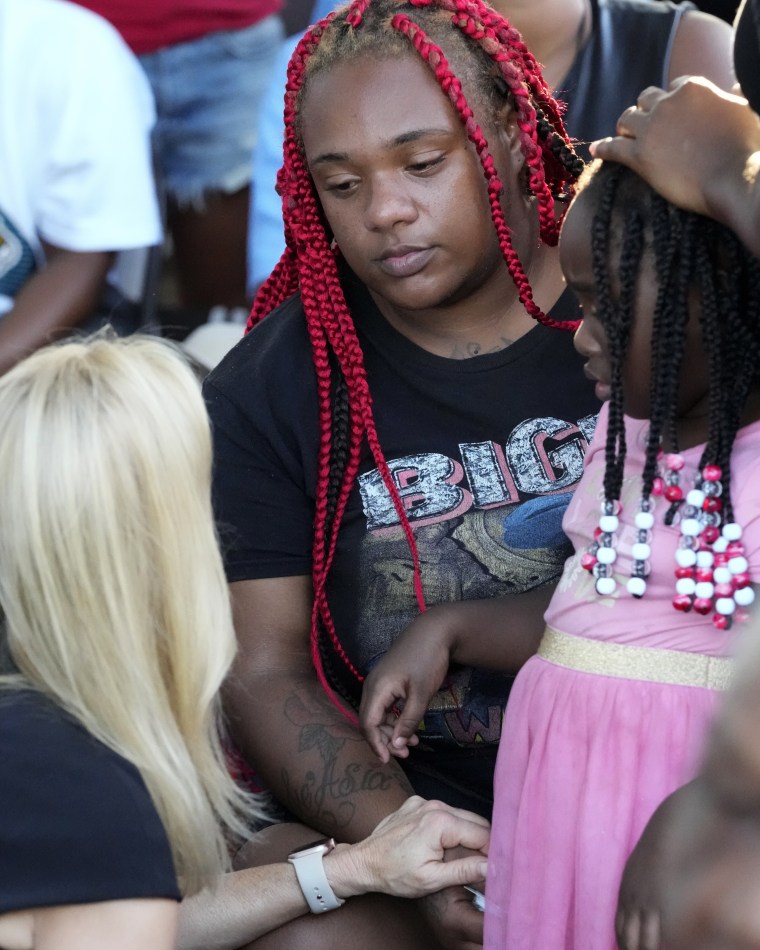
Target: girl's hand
(644,888)
(397,691)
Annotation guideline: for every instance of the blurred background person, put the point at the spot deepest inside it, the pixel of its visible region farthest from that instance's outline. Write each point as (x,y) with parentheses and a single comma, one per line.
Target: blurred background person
(76,181)
(208,62)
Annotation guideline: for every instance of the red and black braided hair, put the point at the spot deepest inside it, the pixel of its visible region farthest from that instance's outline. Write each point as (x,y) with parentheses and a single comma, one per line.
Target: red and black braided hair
(492,57)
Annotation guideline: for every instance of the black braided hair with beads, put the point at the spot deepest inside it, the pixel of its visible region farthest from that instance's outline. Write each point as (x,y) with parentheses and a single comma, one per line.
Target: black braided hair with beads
(692,255)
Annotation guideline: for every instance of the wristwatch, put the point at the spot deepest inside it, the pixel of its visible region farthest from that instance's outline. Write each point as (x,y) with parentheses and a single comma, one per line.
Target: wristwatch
(310,872)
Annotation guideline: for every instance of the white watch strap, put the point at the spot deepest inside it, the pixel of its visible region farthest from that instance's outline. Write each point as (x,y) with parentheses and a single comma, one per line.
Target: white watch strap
(311,876)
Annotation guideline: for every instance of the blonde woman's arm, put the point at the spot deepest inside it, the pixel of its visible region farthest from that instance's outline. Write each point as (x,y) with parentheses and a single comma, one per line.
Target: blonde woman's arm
(133,924)
(403,857)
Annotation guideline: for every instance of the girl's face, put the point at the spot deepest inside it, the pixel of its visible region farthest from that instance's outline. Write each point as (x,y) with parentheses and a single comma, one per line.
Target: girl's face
(591,339)
(401,186)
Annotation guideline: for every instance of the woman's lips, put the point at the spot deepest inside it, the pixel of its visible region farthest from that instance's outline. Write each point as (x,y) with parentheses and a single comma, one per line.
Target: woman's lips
(405,261)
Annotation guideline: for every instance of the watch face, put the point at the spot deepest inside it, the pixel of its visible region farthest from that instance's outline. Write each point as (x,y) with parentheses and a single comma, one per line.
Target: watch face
(321,845)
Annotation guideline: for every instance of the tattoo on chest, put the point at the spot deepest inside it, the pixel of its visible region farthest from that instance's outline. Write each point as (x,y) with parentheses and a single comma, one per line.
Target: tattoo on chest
(463,351)
(328,790)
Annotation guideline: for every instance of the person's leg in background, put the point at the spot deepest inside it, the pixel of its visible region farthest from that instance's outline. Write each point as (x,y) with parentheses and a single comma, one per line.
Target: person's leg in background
(207,95)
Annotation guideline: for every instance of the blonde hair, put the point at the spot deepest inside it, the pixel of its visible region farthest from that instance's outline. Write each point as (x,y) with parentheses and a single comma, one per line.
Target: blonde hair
(111,579)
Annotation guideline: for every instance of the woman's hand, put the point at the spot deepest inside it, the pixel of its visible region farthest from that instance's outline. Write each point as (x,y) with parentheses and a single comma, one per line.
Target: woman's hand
(406,855)
(666,130)
(716,171)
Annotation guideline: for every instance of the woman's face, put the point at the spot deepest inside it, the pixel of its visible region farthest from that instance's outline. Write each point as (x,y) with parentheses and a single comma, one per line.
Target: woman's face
(401,186)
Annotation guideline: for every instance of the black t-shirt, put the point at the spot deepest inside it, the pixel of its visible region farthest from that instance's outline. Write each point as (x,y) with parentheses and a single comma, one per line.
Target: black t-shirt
(77,824)
(485,452)
(747,51)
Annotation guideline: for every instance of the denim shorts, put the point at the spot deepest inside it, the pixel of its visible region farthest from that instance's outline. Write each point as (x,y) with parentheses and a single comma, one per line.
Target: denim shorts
(208,93)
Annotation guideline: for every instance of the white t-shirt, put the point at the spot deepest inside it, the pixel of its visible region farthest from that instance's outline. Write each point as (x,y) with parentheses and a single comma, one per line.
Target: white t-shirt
(76,113)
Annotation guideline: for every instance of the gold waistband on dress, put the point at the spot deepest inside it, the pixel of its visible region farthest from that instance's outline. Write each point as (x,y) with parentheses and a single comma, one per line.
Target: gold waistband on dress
(675,667)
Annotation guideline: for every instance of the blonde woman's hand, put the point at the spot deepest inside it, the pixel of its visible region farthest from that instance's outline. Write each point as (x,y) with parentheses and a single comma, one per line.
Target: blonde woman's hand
(406,855)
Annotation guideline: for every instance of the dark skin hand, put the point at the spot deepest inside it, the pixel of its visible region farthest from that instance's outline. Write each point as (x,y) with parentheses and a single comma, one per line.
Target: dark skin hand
(500,634)
(638,923)
(717,173)
(710,896)
(692,881)
(56,299)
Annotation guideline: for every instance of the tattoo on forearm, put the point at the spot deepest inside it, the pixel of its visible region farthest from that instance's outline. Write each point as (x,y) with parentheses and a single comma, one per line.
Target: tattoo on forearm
(328,792)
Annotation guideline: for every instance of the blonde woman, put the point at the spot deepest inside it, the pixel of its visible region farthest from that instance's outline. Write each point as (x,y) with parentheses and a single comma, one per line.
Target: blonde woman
(115,801)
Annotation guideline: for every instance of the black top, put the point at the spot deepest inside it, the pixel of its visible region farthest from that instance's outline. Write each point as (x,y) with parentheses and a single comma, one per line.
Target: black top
(77,824)
(484,451)
(628,50)
(747,51)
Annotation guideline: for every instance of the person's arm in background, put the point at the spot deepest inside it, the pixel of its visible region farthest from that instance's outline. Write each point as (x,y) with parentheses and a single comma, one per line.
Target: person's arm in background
(702,46)
(699,147)
(56,298)
(91,190)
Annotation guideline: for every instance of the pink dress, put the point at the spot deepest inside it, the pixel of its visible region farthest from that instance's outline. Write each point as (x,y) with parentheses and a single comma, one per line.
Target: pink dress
(585,759)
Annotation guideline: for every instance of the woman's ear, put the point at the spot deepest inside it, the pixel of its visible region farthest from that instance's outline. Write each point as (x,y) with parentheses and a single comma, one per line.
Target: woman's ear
(509,135)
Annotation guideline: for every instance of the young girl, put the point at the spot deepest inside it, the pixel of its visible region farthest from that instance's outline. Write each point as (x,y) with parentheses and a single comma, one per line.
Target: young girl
(115,799)
(605,722)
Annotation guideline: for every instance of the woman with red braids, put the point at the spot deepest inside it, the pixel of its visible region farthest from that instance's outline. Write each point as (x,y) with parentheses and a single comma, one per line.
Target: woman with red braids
(398,439)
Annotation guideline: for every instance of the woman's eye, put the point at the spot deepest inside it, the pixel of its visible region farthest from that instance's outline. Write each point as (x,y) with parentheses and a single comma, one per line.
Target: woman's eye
(342,186)
(426,164)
